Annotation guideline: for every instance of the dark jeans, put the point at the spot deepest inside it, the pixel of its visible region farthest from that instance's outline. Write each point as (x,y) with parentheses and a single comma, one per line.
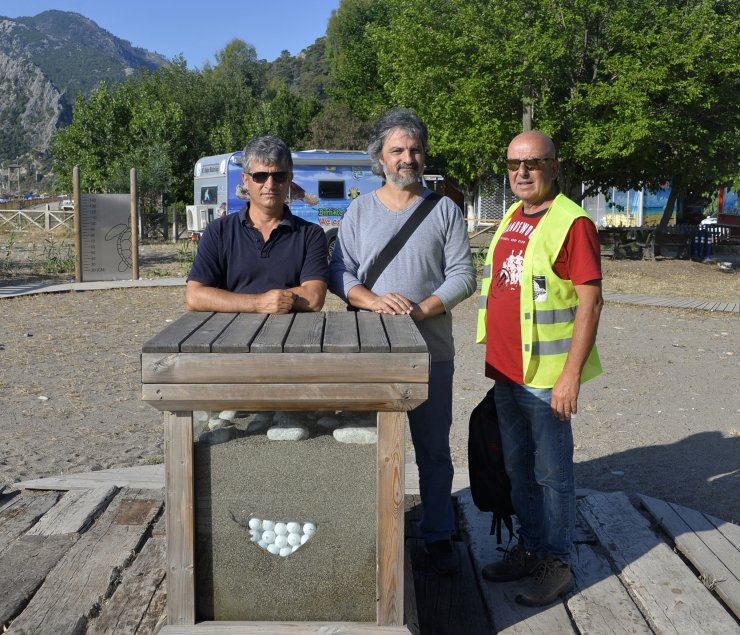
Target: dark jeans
(430,431)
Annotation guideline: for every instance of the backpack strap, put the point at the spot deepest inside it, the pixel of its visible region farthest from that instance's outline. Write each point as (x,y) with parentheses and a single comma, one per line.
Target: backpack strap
(390,251)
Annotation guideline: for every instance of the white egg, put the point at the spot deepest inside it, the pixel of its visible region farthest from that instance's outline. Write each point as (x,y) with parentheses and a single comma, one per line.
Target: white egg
(268,537)
(281,541)
(255,523)
(281,529)
(304,537)
(286,551)
(295,548)
(262,544)
(309,529)
(268,524)
(273,549)
(294,539)
(294,528)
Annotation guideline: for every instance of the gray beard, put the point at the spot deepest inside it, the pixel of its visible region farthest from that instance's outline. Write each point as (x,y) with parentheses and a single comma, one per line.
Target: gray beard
(402,181)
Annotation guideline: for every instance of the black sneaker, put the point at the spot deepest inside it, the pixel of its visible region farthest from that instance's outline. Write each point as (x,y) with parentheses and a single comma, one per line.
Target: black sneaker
(516,564)
(442,557)
(551,579)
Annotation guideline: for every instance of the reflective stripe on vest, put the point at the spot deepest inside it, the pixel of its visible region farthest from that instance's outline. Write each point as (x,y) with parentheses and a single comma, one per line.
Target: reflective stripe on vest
(556,347)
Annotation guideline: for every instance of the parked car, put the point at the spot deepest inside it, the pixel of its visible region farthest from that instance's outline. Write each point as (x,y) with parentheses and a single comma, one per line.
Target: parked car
(709,220)
(68,205)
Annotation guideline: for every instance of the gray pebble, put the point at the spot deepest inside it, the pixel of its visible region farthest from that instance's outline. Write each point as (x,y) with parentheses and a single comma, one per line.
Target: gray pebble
(356,434)
(288,432)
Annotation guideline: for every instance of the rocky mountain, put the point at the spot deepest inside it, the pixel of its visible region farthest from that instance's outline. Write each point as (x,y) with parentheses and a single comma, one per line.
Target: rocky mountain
(45,62)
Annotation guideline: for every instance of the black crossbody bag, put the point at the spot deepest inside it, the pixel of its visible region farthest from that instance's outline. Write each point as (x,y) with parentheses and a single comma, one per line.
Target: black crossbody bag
(390,251)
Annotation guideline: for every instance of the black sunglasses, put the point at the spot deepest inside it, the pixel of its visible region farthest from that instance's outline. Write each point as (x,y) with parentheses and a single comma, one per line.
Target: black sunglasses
(531,164)
(261,177)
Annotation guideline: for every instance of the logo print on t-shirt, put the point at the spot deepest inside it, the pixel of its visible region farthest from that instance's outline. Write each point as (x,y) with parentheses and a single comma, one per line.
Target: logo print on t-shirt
(510,275)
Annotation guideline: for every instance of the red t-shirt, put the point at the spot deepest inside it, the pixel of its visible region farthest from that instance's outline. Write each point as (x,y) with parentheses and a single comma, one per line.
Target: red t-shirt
(579,261)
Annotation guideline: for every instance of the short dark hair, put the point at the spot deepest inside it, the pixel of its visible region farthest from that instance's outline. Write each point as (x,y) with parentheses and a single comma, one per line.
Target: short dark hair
(269,150)
(403,118)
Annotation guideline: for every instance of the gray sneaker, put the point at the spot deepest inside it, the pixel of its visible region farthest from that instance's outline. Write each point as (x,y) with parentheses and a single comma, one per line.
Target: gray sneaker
(551,579)
(516,564)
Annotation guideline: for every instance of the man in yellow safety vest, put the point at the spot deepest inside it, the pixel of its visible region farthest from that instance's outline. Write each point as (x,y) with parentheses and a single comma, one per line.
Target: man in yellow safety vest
(539,314)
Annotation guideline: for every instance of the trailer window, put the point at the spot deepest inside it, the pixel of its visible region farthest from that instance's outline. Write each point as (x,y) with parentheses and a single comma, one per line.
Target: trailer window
(331,189)
(209,195)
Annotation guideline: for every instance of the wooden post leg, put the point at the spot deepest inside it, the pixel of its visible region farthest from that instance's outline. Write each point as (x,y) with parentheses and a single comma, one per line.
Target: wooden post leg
(390,517)
(178,452)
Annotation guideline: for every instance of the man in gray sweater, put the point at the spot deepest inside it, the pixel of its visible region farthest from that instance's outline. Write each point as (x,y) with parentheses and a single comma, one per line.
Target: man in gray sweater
(431,273)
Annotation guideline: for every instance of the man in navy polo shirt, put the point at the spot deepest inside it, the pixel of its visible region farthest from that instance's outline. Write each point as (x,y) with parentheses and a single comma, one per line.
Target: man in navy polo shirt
(263,259)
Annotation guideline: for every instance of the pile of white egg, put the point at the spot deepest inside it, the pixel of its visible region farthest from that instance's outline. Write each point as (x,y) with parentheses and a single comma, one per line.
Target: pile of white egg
(280,538)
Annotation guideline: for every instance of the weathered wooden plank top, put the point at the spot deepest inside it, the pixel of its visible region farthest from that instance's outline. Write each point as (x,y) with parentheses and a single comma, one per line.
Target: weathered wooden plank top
(287,362)
(336,332)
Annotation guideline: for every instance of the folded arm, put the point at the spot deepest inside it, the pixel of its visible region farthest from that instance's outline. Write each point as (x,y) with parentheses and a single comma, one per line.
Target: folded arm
(309,296)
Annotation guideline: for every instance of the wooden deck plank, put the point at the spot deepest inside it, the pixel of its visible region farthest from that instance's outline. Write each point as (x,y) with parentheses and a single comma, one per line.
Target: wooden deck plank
(81,580)
(410,611)
(506,615)
(139,601)
(75,512)
(201,340)
(21,512)
(137,477)
(668,594)
(713,555)
(601,604)
(403,335)
(445,604)
(272,335)
(306,334)
(168,340)
(25,566)
(238,335)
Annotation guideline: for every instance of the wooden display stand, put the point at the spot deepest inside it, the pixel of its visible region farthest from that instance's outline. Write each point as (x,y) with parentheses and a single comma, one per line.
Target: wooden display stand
(304,361)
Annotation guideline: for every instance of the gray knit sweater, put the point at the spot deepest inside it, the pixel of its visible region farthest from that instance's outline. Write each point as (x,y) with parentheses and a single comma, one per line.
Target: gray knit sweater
(436,260)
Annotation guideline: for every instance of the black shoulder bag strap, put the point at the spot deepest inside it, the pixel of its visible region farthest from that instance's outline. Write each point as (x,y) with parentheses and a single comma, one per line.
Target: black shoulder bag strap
(390,251)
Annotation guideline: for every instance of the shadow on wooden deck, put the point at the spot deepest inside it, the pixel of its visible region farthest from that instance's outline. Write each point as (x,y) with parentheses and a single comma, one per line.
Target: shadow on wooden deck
(86,554)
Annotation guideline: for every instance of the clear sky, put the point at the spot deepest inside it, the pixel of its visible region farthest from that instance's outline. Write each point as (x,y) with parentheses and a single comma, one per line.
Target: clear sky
(197,29)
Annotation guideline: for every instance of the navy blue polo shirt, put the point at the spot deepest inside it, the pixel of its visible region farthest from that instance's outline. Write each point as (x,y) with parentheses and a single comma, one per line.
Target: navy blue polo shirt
(232,254)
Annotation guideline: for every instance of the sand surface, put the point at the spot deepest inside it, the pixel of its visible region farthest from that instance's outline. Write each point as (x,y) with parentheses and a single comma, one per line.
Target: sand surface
(663,420)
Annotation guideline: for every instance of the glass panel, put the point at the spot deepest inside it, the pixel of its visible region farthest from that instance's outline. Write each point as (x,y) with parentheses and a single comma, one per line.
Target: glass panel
(285,516)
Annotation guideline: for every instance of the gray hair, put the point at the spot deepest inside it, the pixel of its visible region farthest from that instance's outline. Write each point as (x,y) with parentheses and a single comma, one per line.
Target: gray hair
(268,150)
(403,118)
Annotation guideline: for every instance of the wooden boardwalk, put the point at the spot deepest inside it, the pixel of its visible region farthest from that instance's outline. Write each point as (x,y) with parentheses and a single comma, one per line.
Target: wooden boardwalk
(85,554)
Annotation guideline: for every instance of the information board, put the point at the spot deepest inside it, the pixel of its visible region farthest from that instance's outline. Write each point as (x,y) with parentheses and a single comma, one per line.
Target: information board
(105,222)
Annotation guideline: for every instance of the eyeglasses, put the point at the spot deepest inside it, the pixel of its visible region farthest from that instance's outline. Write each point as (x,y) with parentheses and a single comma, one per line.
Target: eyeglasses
(261,177)
(531,164)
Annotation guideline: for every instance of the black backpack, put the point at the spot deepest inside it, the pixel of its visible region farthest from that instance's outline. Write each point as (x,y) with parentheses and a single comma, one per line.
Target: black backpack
(489,483)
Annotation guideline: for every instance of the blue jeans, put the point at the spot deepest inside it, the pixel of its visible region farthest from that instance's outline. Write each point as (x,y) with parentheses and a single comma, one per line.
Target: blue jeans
(430,431)
(538,453)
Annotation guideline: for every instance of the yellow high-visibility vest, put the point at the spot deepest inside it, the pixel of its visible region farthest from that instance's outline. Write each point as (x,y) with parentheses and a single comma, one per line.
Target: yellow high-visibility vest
(547,314)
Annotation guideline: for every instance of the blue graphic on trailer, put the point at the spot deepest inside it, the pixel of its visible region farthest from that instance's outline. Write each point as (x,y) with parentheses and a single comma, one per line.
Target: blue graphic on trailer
(323,186)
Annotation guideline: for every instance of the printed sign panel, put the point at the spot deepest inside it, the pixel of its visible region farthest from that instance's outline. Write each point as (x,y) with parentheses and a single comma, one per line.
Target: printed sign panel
(106,236)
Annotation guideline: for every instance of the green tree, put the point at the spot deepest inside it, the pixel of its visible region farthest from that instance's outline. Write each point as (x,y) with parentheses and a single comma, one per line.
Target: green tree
(633,91)
(335,127)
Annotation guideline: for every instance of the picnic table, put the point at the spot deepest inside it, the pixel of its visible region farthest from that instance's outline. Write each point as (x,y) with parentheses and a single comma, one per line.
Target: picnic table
(295,362)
